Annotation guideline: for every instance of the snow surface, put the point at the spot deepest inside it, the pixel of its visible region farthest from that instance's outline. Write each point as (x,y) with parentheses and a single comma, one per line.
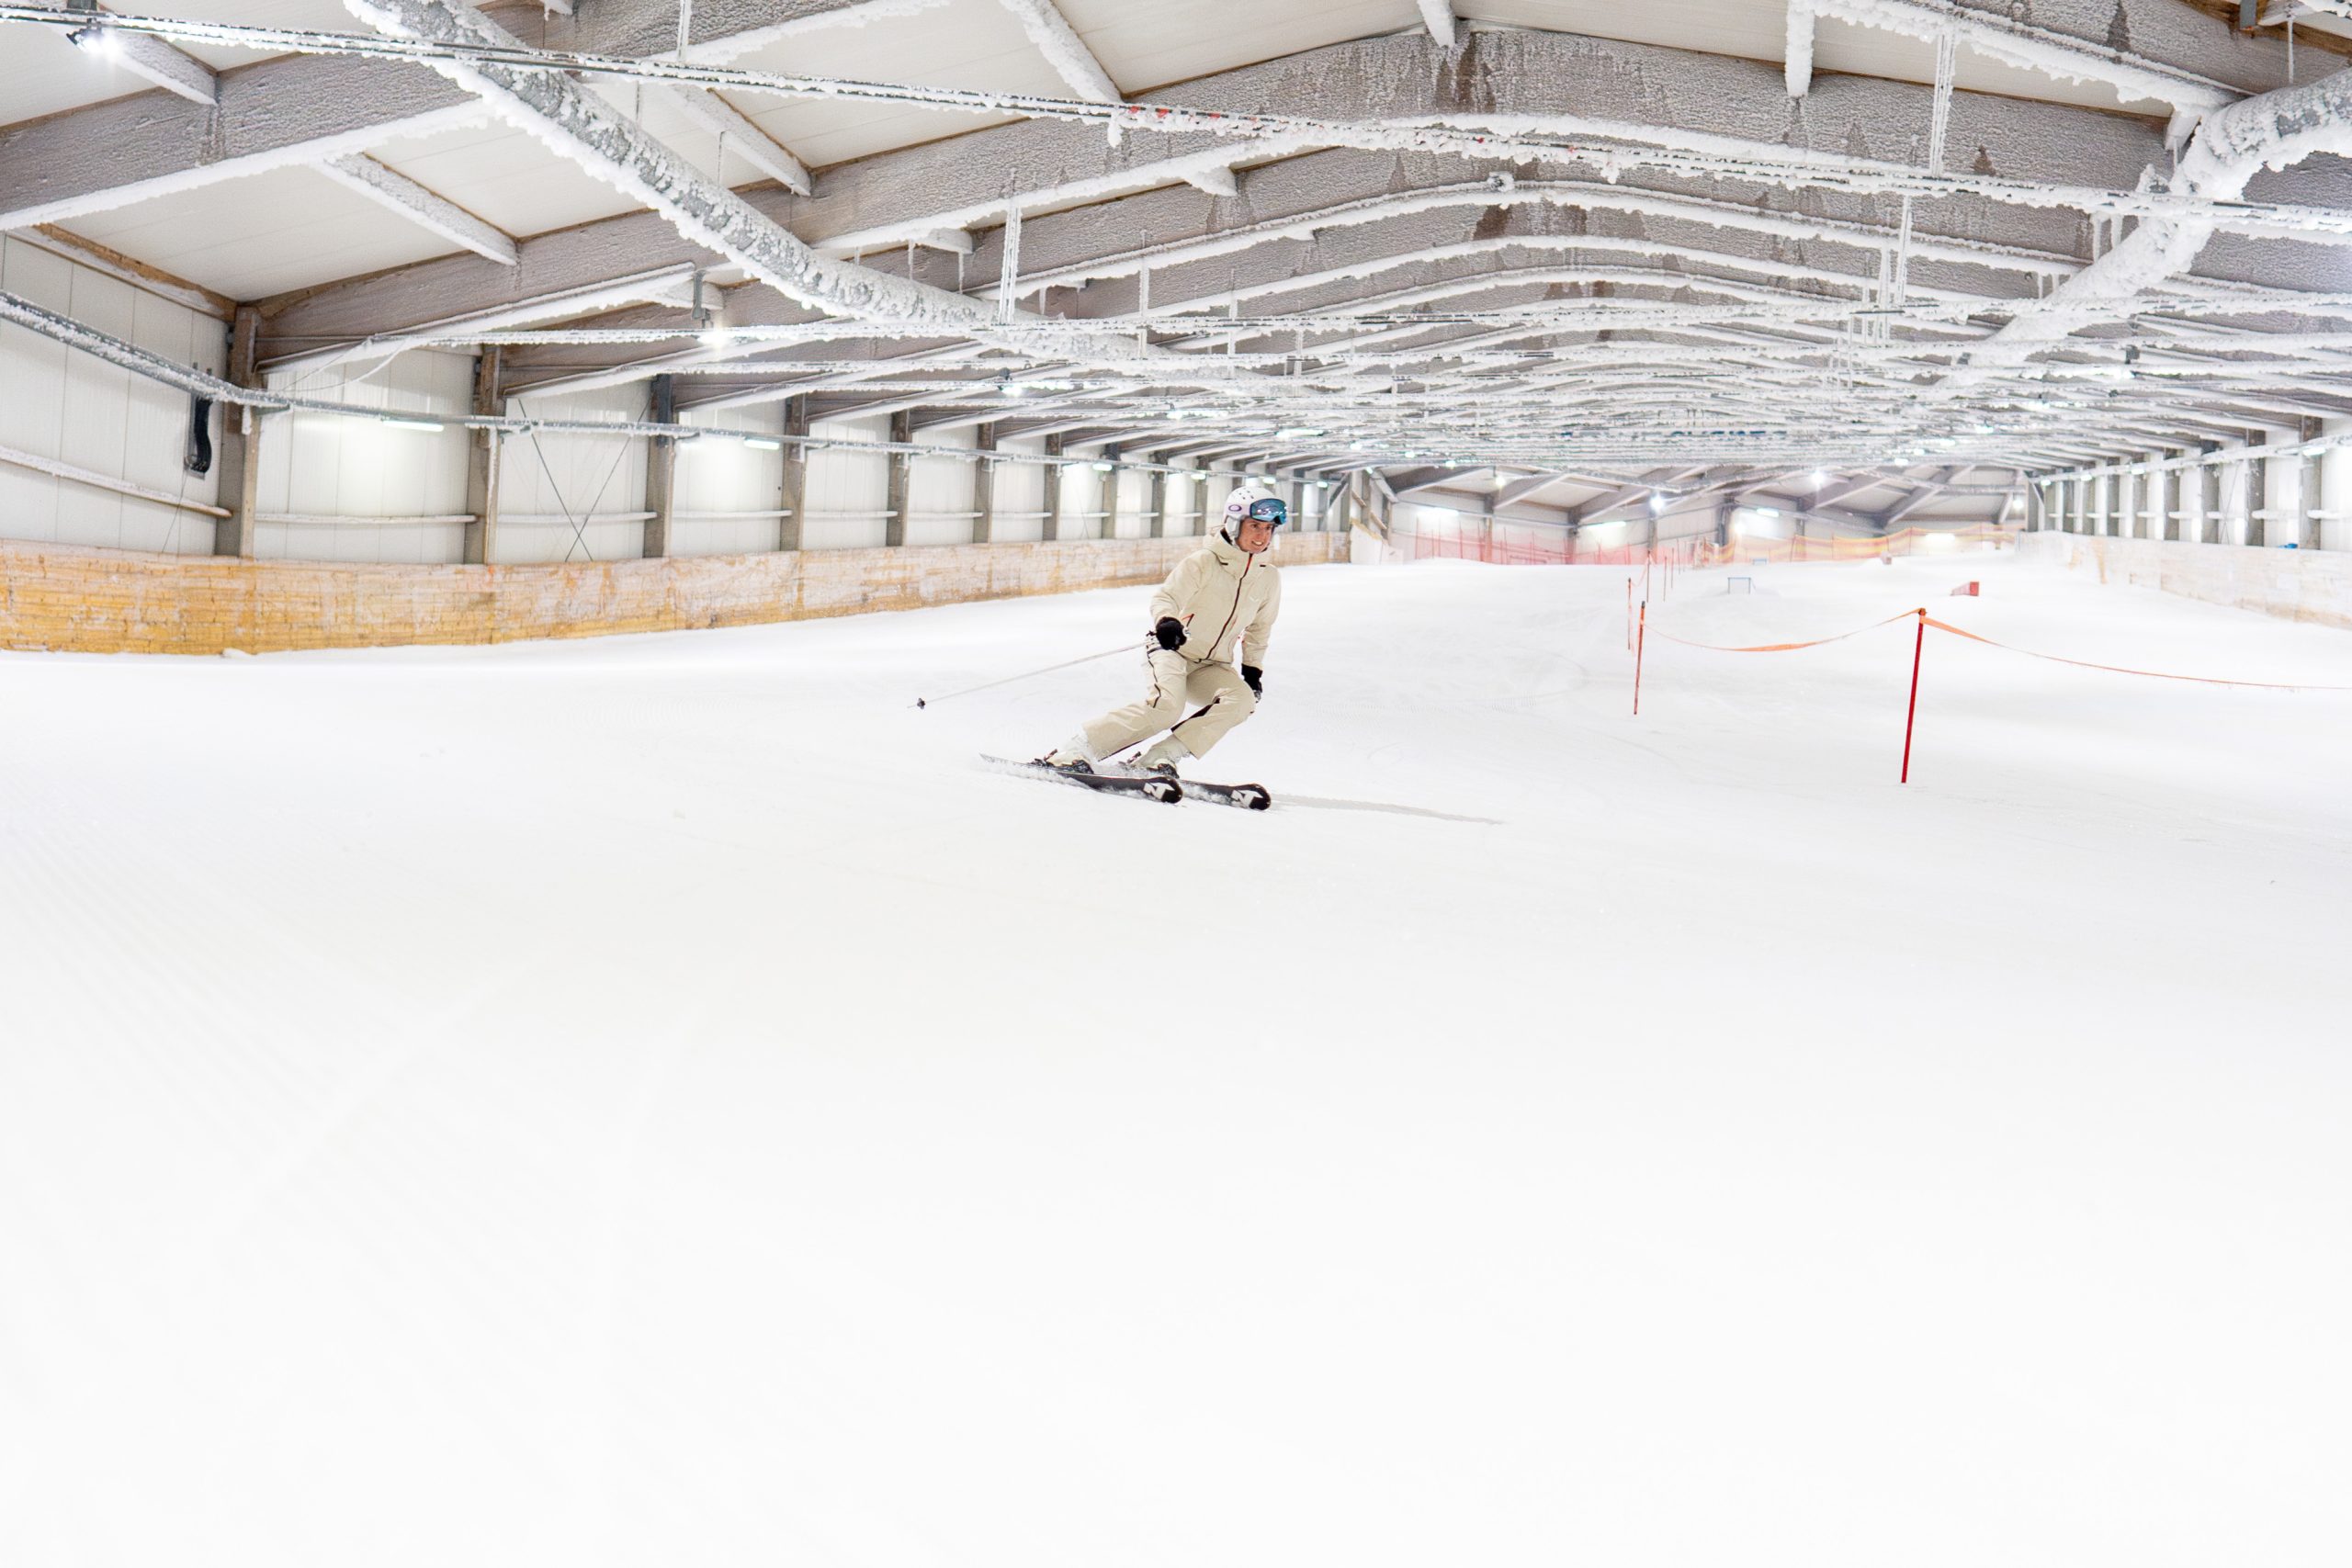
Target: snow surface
(661,1100)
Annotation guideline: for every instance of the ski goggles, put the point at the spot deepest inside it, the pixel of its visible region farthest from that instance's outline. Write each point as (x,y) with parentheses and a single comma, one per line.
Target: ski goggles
(1268,511)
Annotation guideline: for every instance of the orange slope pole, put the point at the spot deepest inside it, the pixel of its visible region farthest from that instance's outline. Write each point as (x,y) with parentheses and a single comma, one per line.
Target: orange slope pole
(1640,640)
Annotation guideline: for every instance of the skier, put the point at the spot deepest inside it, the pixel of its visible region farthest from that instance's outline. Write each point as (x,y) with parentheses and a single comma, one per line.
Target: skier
(1219,601)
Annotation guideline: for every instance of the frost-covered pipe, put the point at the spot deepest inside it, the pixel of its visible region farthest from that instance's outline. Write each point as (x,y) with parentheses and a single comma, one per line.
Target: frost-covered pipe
(2276,130)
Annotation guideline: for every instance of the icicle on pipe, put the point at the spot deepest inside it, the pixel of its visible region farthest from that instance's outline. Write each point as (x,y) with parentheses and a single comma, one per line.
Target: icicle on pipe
(1798,49)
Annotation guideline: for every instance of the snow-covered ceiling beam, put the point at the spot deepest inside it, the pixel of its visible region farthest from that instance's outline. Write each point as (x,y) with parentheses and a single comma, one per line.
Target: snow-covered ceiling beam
(669,285)
(277,114)
(611,148)
(428,210)
(2017,36)
(306,109)
(911,192)
(1613,127)
(1064,50)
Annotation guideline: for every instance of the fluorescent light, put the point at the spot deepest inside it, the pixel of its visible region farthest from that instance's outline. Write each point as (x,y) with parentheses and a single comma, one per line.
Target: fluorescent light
(414,424)
(1657,501)
(1819,479)
(1103,467)
(102,41)
(764,442)
(1294,434)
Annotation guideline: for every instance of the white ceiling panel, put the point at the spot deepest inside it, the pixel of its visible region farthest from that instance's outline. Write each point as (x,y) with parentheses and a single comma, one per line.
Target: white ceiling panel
(41,74)
(972,43)
(506,178)
(1175,41)
(263,235)
(318,15)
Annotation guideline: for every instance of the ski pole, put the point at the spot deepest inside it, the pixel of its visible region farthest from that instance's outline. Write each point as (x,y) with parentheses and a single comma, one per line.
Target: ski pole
(1009,680)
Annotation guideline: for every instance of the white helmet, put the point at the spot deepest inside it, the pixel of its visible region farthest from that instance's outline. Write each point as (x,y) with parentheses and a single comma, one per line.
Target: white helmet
(1248,500)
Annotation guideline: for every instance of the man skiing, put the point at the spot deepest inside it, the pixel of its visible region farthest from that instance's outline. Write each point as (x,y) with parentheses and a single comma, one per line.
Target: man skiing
(1219,601)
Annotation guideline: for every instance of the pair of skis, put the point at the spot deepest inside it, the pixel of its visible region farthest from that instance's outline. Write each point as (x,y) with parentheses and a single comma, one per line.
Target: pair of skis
(1150,786)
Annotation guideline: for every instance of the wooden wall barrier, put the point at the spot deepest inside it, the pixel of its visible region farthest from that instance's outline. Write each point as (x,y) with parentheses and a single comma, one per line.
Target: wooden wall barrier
(2294,585)
(66,599)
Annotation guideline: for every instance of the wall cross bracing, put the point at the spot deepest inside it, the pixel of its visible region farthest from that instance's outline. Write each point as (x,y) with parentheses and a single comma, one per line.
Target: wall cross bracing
(496,282)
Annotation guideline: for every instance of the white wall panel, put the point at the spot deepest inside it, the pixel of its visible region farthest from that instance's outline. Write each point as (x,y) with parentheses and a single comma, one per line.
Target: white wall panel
(1184,504)
(1135,504)
(350,478)
(939,491)
(846,490)
(553,487)
(68,406)
(1021,493)
(2334,492)
(1081,497)
(2235,496)
(719,474)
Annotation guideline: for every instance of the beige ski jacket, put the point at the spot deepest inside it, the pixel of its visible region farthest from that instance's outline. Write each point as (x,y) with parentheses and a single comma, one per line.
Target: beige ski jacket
(1227,599)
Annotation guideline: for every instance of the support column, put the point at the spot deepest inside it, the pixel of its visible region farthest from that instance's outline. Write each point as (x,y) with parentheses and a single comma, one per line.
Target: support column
(2308,493)
(1158,500)
(984,485)
(241,442)
(894,528)
(2168,526)
(483,454)
(2334,529)
(2208,504)
(660,471)
(2257,491)
(1051,528)
(1112,484)
(793,494)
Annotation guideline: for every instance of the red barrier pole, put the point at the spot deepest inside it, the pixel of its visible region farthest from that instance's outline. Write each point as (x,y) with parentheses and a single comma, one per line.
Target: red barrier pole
(1645,637)
(1918,647)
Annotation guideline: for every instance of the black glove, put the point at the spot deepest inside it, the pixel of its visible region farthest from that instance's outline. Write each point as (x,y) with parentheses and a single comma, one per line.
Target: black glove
(1170,633)
(1255,678)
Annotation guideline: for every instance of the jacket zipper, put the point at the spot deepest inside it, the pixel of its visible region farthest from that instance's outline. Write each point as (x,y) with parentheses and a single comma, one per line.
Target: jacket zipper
(1247,562)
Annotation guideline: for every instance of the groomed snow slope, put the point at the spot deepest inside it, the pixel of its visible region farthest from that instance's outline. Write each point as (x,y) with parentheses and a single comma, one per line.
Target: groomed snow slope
(660,1102)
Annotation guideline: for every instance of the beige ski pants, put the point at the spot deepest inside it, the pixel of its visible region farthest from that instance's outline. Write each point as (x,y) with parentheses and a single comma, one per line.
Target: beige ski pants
(1213,694)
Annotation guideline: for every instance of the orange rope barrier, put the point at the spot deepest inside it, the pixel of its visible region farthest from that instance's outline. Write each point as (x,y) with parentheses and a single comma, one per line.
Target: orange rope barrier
(1786,647)
(2123,669)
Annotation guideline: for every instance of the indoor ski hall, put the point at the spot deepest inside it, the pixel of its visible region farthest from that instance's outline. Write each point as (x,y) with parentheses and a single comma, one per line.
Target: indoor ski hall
(1175,784)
